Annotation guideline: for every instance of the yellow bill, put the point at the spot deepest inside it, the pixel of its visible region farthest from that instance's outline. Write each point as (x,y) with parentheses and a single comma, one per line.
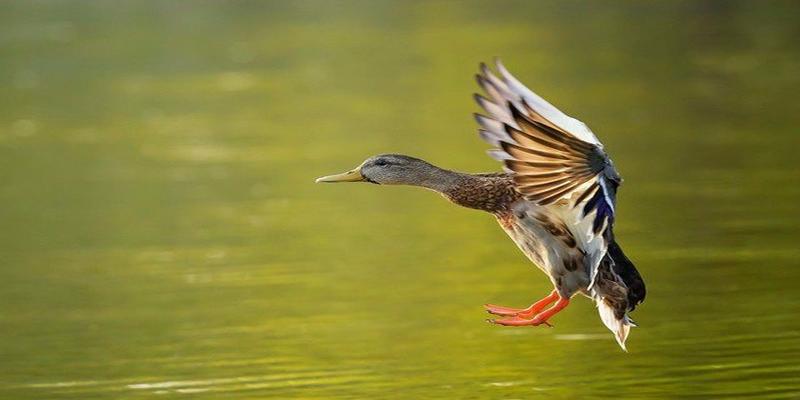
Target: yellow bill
(349,176)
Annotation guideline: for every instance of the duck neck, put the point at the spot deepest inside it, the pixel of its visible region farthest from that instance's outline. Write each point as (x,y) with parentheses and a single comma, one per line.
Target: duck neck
(488,192)
(441,180)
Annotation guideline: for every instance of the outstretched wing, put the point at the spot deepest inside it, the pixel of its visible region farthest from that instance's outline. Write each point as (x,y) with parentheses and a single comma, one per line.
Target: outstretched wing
(550,154)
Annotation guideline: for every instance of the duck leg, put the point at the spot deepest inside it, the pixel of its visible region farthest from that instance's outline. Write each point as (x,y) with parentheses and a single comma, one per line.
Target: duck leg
(529,312)
(539,319)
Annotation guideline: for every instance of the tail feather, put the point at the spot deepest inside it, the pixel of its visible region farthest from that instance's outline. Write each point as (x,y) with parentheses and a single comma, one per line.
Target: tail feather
(620,327)
(617,289)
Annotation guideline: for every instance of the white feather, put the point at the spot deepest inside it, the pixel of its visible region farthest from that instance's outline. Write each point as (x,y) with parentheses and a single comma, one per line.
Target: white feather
(498,154)
(547,110)
(619,327)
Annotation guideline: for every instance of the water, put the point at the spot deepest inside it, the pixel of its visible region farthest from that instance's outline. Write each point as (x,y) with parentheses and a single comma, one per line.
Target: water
(163,235)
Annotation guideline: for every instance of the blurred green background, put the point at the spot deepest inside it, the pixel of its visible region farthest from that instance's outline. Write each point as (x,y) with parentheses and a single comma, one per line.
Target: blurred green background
(162,233)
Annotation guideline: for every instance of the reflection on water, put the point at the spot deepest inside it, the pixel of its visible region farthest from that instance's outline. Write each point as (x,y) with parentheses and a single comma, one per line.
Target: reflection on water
(163,234)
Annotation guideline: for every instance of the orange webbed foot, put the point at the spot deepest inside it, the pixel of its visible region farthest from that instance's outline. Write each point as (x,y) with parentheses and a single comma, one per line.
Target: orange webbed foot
(522,312)
(540,318)
(501,310)
(518,321)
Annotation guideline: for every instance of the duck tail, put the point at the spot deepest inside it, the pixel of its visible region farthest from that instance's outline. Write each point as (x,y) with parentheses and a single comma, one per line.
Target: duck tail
(619,324)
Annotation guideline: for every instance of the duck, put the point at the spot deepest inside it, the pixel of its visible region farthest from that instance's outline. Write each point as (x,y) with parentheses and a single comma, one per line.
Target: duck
(555,198)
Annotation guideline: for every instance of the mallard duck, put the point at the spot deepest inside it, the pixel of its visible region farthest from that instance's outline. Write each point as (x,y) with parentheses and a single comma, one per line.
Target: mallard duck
(556,199)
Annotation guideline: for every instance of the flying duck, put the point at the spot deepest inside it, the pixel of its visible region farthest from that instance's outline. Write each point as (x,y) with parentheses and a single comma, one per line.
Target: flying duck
(556,199)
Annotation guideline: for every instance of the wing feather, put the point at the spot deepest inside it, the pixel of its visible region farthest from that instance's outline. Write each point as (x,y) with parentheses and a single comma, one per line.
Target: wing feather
(550,154)
(550,150)
(545,109)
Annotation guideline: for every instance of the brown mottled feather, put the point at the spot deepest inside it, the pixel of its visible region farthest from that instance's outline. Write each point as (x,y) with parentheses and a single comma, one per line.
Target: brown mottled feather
(492,192)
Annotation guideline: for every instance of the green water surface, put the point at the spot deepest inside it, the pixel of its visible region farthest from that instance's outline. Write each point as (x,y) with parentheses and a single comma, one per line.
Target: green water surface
(162,234)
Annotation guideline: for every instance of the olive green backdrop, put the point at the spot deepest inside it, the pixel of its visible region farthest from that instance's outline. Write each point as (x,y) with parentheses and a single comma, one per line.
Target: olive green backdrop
(162,234)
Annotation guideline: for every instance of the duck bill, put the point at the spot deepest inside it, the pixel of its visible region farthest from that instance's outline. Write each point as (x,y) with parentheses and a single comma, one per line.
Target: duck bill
(349,176)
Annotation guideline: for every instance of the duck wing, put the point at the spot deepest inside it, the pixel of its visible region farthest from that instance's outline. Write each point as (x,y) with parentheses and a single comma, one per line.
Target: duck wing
(549,154)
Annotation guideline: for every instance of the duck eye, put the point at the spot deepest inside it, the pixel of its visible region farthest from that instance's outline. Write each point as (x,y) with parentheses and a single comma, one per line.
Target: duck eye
(380,163)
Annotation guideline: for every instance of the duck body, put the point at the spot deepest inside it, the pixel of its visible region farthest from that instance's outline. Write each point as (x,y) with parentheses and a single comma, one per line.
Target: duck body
(548,242)
(538,231)
(555,199)
(542,234)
